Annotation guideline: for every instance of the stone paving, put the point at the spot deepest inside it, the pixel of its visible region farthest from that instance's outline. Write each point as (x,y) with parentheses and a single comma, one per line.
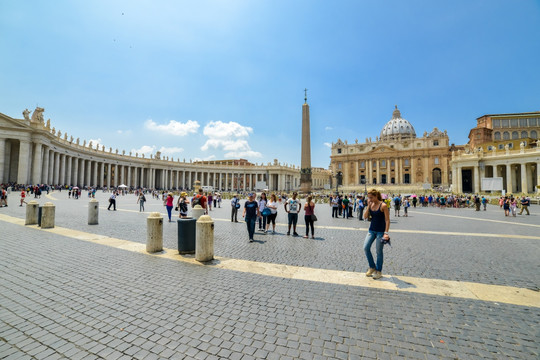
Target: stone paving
(65,298)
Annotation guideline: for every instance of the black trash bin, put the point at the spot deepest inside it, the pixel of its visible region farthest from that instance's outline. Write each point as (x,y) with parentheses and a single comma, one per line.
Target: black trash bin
(186,235)
(39,215)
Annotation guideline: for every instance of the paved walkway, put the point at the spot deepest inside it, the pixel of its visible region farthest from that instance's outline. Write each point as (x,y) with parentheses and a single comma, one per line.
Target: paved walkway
(81,291)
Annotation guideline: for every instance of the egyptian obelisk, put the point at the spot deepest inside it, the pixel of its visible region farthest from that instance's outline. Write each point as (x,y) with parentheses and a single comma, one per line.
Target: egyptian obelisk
(305,165)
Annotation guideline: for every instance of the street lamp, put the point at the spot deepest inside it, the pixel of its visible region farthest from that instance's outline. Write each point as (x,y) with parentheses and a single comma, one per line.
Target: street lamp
(339,178)
(365,185)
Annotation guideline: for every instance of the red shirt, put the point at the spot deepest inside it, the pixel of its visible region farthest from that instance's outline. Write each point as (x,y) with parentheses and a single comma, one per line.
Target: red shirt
(202,200)
(23,194)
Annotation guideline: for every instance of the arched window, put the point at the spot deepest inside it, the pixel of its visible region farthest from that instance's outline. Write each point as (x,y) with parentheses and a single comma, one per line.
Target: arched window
(506,135)
(497,136)
(524,134)
(515,135)
(534,134)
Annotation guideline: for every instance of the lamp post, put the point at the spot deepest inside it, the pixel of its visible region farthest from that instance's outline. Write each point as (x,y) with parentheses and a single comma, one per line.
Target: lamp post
(365,186)
(339,178)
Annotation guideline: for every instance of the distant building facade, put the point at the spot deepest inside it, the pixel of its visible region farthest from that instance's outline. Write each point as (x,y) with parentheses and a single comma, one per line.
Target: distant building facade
(398,156)
(500,146)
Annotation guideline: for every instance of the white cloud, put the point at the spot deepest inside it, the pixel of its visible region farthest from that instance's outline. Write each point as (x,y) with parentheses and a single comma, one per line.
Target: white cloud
(328,128)
(230,137)
(173,127)
(219,129)
(328,144)
(171,150)
(145,149)
(211,157)
(95,143)
(123,132)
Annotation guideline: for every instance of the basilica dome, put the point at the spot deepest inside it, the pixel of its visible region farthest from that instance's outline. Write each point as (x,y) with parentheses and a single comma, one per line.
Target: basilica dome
(397,127)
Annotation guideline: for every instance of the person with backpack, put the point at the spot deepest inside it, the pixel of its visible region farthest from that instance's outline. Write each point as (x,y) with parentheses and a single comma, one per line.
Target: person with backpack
(141,200)
(397,205)
(201,200)
(251,213)
(484,202)
(235,205)
(112,201)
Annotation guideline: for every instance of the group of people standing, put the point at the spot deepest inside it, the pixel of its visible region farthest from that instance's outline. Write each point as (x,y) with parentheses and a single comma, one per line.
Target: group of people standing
(510,205)
(265,211)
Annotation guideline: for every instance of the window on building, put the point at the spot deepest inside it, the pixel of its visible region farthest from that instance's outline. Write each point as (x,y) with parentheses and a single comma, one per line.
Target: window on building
(436,161)
(514,123)
(496,123)
(506,135)
(501,146)
(504,123)
(534,134)
(406,162)
(515,135)
(534,122)
(339,151)
(490,148)
(363,164)
(497,136)
(523,122)
(510,145)
(339,166)
(436,142)
(418,145)
(383,163)
(392,163)
(374,165)
(524,134)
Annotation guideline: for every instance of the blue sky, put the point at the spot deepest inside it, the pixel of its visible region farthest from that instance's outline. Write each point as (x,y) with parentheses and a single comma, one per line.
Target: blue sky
(222,79)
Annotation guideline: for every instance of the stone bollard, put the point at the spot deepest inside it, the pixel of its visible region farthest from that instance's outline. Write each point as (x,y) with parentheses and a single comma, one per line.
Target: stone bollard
(47,215)
(93,212)
(197,212)
(204,240)
(32,213)
(154,232)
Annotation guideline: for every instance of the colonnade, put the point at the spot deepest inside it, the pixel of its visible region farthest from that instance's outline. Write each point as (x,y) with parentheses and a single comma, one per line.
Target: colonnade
(26,162)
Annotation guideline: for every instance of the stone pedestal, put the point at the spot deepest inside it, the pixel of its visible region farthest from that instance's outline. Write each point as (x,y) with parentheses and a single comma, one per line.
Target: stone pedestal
(47,215)
(197,212)
(204,242)
(154,232)
(93,212)
(32,209)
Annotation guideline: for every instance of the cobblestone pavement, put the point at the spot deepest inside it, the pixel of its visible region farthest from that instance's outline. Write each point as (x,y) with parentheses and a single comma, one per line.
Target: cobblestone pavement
(64,298)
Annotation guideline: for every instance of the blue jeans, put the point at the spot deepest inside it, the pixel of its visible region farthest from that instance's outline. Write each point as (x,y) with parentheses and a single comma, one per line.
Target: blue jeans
(250,221)
(262,222)
(169,209)
(370,237)
(346,212)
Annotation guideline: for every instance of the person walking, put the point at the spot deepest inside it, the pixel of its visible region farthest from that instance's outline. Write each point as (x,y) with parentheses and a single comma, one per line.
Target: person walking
(484,202)
(169,205)
(406,206)
(345,203)
(263,201)
(293,205)
(112,201)
(378,231)
(524,205)
(506,207)
(141,199)
(397,205)
(182,205)
(23,195)
(251,213)
(210,201)
(201,200)
(334,204)
(513,206)
(273,206)
(309,212)
(235,205)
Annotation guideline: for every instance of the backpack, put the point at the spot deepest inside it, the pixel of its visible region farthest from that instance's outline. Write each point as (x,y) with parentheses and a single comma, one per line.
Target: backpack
(196,201)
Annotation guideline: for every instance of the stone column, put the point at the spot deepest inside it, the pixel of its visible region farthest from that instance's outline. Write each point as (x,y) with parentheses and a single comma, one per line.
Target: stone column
(426,171)
(3,159)
(88,166)
(100,174)
(459,187)
(356,175)
(538,177)
(524,180)
(95,175)
(530,179)
(378,176)
(24,154)
(476,179)
(129,177)
(50,176)
(45,168)
(36,163)
(116,175)
(509,182)
(76,171)
(109,170)
(245,182)
(220,181)
(227,181)
(63,170)
(69,162)
(413,172)
(56,179)
(82,173)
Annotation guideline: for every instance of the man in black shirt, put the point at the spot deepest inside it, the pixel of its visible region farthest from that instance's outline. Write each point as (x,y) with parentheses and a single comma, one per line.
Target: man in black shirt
(251,213)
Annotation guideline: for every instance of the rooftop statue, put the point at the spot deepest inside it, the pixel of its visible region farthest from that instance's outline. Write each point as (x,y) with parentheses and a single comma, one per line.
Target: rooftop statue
(26,114)
(37,116)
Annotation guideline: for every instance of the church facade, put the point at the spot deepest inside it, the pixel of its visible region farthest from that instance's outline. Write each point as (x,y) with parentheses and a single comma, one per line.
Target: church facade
(397,156)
